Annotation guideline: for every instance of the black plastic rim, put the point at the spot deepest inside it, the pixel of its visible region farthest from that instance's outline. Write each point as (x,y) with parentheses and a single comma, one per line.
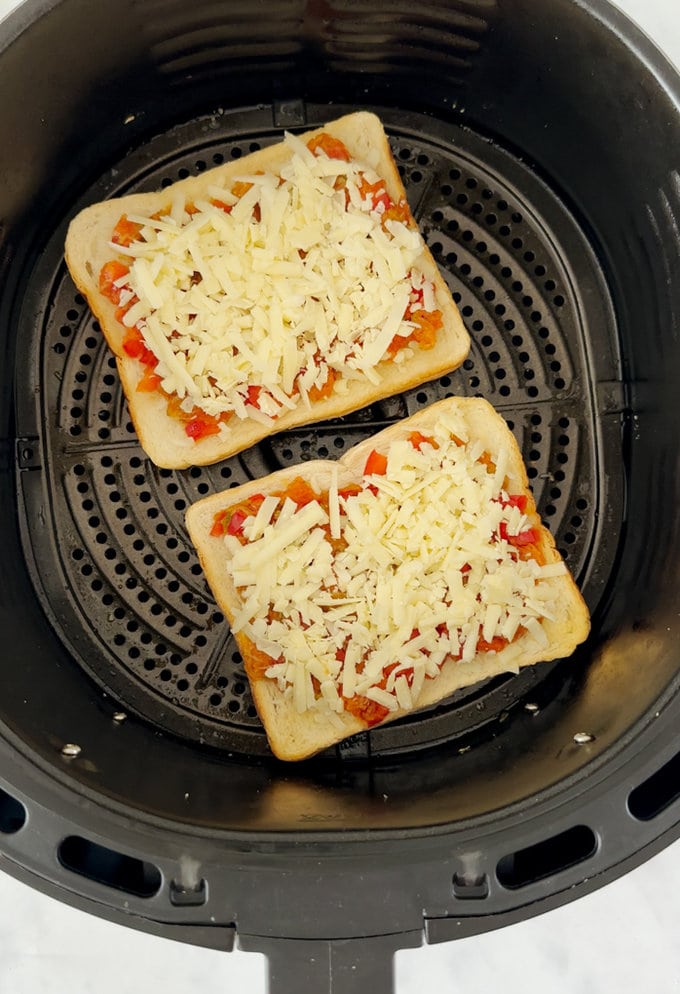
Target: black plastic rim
(615,805)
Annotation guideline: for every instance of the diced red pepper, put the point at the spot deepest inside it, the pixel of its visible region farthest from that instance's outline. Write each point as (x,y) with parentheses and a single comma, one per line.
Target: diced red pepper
(231,521)
(300,492)
(149,382)
(376,464)
(528,537)
(109,274)
(236,522)
(368,711)
(239,189)
(134,347)
(516,500)
(227,208)
(255,661)
(398,212)
(320,393)
(495,645)
(253,396)
(417,439)
(486,460)
(201,426)
(351,491)
(376,192)
(427,324)
(332,147)
(125,232)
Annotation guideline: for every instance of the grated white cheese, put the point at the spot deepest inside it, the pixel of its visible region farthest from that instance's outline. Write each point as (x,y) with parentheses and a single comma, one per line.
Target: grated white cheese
(416,576)
(254,295)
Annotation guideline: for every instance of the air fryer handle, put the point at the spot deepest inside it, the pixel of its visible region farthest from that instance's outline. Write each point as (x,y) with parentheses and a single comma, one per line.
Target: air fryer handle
(337,966)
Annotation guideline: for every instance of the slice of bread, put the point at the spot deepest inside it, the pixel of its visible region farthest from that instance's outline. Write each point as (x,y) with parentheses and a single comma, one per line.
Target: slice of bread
(437,543)
(162,432)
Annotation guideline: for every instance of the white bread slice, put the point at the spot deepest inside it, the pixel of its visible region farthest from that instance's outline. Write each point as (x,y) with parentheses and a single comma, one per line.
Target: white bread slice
(163,436)
(294,735)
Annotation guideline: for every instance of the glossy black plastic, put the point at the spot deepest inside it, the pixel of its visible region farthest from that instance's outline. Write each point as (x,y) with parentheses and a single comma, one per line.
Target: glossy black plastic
(568,116)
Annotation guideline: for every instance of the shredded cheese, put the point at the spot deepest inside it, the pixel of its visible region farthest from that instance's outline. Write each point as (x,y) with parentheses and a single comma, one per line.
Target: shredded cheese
(372,598)
(272,289)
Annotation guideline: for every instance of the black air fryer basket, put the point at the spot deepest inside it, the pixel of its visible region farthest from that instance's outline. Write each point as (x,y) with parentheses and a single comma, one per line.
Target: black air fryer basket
(540,145)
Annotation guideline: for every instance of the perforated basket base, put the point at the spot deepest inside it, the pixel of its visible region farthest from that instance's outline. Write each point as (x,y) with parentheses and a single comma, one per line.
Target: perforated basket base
(103,528)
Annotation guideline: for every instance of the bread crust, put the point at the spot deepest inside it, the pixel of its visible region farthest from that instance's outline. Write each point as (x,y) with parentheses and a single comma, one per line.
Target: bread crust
(294,736)
(162,436)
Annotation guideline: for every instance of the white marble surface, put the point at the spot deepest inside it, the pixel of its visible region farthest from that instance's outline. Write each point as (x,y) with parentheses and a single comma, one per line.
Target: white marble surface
(623,938)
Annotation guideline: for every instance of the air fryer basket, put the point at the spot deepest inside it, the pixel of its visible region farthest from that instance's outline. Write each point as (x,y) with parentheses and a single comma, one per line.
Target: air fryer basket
(539,147)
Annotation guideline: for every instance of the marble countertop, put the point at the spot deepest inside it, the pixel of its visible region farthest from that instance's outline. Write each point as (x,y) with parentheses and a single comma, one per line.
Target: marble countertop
(621,938)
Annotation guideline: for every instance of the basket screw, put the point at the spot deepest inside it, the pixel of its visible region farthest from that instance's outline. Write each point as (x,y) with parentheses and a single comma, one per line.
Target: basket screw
(119,717)
(71,750)
(582,738)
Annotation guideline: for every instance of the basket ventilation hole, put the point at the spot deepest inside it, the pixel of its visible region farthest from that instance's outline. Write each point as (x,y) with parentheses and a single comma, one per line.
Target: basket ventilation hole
(106,866)
(12,814)
(657,792)
(547,857)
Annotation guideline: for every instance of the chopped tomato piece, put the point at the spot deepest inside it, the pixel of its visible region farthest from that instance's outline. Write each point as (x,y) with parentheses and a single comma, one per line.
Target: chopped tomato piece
(417,439)
(125,232)
(376,464)
(109,274)
(332,147)
(320,393)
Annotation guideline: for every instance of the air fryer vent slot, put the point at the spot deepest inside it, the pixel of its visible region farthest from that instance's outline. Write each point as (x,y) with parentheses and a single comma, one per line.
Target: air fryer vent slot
(106,866)
(546,858)
(657,792)
(12,814)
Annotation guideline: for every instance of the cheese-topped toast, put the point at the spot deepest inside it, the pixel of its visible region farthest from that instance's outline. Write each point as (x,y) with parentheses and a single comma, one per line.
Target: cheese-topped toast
(361,590)
(286,287)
